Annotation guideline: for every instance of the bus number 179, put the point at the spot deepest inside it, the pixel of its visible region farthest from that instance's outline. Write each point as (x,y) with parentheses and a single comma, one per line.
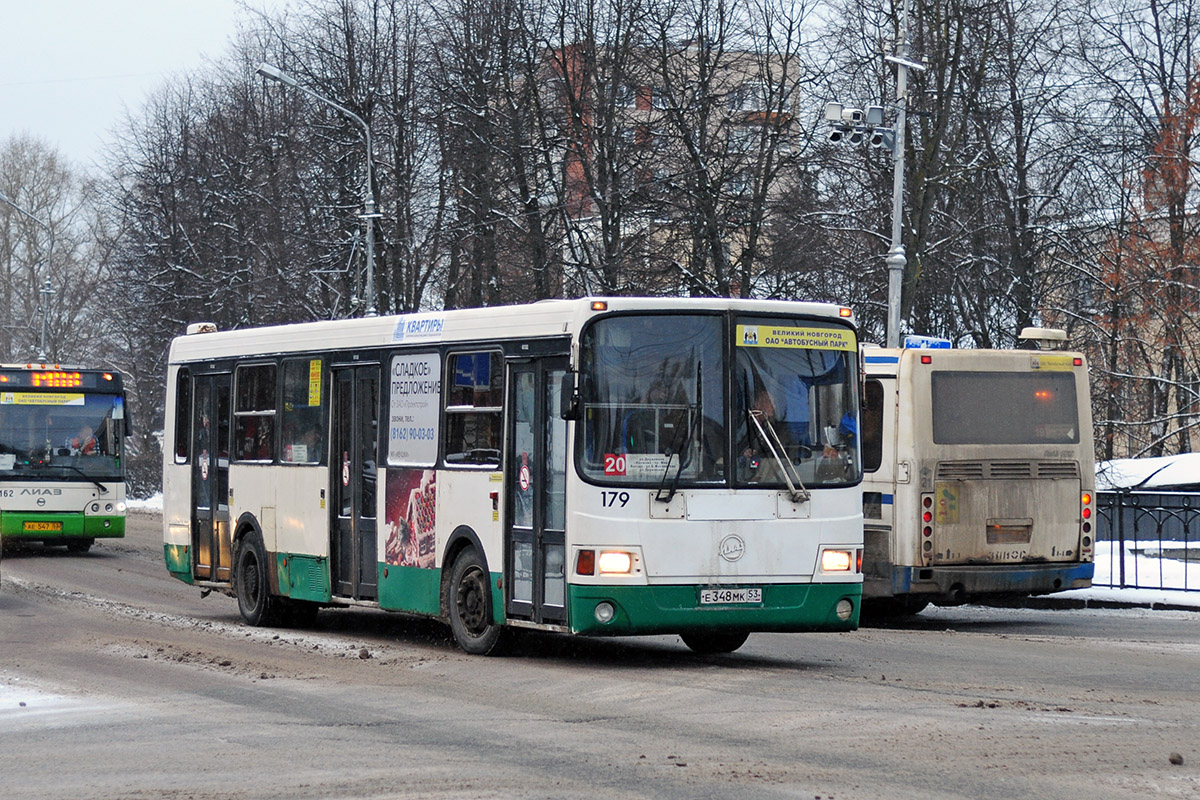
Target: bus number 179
(614,499)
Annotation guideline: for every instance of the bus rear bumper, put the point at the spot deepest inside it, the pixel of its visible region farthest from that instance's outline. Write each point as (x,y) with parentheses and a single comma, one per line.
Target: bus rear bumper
(959,584)
(658,609)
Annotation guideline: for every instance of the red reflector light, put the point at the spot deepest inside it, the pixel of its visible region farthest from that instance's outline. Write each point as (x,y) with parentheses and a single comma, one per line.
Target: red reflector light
(927,516)
(585,562)
(928,531)
(927,502)
(926,359)
(1087,513)
(1078,362)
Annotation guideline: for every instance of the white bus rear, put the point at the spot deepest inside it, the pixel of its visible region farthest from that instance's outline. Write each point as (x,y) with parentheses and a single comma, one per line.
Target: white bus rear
(979,478)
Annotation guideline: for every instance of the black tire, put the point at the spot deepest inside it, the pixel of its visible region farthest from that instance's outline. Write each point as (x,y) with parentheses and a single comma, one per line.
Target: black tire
(79,545)
(252,583)
(469,605)
(707,644)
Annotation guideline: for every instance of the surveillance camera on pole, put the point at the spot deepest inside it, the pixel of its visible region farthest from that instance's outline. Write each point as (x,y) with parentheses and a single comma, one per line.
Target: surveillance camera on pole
(856,125)
(884,138)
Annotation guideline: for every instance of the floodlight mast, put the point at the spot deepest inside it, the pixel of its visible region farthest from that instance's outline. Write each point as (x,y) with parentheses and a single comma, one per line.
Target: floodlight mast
(272,72)
(46,289)
(896,259)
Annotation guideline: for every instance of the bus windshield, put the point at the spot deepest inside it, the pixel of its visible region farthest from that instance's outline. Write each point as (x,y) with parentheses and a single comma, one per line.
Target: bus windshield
(655,409)
(1005,408)
(795,403)
(61,435)
(653,399)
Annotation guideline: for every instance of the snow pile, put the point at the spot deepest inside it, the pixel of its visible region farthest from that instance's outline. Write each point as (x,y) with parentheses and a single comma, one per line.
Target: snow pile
(1148,474)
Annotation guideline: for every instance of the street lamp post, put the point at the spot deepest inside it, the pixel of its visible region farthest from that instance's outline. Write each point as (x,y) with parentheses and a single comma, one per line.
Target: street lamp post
(369,215)
(855,126)
(896,258)
(46,289)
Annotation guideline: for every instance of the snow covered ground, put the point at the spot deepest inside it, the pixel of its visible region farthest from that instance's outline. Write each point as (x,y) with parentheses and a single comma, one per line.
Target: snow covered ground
(1159,581)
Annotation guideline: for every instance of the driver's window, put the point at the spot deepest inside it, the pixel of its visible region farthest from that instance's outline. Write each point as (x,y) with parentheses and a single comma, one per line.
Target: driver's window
(474,408)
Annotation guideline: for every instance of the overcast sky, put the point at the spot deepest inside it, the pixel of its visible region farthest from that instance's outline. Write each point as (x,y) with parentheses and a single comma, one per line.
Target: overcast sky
(70,68)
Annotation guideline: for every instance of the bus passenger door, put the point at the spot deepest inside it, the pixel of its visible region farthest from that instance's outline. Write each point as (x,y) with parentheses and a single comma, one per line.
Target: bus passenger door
(210,477)
(536,471)
(352,464)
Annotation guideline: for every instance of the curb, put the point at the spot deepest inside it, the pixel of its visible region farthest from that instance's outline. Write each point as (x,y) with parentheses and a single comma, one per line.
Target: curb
(1074,603)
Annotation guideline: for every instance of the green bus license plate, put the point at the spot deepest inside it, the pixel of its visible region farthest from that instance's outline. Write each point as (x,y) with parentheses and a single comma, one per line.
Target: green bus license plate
(710,597)
(43,526)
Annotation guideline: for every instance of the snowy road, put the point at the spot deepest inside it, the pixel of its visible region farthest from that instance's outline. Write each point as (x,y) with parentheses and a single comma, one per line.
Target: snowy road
(118,682)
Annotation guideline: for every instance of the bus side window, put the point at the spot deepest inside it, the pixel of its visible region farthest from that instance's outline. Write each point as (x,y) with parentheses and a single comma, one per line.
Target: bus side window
(254,414)
(872,426)
(474,408)
(301,413)
(183,416)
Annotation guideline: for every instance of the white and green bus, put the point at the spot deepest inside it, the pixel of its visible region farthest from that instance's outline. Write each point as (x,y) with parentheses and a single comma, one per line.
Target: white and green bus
(599,466)
(62,447)
(979,481)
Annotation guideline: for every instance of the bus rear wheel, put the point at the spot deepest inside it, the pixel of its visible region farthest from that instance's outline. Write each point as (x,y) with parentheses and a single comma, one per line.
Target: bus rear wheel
(252,583)
(707,644)
(469,605)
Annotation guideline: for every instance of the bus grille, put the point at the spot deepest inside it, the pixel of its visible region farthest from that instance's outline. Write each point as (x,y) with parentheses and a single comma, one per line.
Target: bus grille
(1005,470)
(1010,469)
(1058,469)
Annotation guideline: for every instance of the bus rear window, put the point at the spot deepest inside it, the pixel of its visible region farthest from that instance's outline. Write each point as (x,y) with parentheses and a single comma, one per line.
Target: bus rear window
(1005,408)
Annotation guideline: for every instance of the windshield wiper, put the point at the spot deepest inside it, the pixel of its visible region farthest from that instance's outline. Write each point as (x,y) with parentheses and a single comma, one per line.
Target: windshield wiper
(73,468)
(790,476)
(689,428)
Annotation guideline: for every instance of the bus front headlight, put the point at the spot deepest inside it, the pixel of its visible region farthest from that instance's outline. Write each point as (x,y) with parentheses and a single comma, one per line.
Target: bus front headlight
(615,562)
(836,560)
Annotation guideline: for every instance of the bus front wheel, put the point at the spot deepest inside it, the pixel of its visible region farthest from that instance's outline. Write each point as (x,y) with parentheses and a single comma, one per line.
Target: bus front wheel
(707,644)
(469,604)
(253,584)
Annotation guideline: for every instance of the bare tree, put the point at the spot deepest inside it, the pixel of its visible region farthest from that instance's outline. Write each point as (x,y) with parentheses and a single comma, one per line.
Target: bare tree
(1143,60)
(43,244)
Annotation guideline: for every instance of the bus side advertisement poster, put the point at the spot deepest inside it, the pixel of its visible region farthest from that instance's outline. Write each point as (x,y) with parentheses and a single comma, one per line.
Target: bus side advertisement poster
(410,516)
(413,412)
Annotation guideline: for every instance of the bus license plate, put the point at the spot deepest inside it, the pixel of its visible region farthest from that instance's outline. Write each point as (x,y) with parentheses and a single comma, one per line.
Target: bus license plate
(709,597)
(43,526)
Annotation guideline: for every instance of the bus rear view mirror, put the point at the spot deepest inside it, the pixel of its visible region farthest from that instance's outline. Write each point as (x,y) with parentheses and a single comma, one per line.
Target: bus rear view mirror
(568,401)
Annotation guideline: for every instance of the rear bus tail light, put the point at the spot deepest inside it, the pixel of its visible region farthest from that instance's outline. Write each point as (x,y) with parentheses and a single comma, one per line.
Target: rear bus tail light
(927,520)
(1086,513)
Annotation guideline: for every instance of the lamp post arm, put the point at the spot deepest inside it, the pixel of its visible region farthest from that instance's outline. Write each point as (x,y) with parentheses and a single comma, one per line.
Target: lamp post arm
(272,72)
(368,197)
(46,290)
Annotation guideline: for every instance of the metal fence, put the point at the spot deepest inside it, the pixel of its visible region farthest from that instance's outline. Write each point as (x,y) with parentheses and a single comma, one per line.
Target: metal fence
(1148,540)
